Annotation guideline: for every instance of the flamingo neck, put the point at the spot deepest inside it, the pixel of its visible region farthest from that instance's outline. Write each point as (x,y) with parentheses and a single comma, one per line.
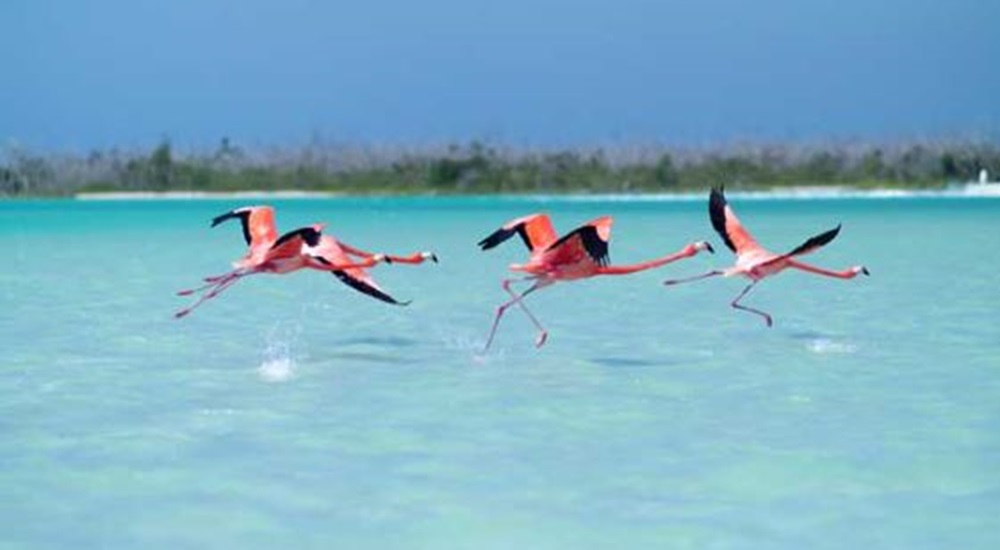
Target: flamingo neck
(415,258)
(849,273)
(687,252)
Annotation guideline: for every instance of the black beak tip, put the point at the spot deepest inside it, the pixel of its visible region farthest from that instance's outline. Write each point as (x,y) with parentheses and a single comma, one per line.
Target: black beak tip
(434,258)
(709,248)
(865,271)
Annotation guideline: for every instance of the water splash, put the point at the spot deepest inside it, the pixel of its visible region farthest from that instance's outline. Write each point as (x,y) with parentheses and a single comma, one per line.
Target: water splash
(279,369)
(279,364)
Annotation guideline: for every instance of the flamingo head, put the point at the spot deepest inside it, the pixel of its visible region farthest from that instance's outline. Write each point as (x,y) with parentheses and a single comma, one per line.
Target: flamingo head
(860,269)
(703,245)
(429,256)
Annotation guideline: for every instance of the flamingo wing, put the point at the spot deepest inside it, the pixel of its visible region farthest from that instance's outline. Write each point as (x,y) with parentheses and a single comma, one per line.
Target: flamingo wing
(365,285)
(330,252)
(535,230)
(291,243)
(811,245)
(257,221)
(814,243)
(591,238)
(728,226)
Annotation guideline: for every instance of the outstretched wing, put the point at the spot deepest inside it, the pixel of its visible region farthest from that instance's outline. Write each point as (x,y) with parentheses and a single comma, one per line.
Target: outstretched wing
(291,243)
(365,285)
(257,221)
(330,252)
(814,243)
(726,223)
(535,230)
(811,245)
(591,238)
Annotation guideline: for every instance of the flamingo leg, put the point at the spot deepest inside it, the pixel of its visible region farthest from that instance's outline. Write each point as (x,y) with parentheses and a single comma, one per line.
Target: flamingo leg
(214,291)
(542,333)
(713,273)
(517,299)
(736,304)
(210,282)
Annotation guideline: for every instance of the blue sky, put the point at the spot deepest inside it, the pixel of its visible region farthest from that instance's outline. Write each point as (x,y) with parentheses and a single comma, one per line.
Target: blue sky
(85,74)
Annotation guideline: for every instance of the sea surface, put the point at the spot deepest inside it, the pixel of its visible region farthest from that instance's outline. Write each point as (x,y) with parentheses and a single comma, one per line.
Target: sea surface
(294,412)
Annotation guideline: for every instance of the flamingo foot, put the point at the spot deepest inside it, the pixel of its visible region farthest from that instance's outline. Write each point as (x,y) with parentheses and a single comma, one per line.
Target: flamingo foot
(768,321)
(181,313)
(542,337)
(185,292)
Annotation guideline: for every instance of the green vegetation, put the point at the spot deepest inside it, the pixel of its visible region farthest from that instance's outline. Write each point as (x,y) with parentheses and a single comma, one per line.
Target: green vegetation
(482,168)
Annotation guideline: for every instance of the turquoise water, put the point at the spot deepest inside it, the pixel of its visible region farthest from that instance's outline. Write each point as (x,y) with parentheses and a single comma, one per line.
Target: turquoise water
(293,412)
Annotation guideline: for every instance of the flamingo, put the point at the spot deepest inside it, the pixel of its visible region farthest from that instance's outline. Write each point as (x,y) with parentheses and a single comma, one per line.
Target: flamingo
(302,248)
(579,254)
(334,256)
(754,261)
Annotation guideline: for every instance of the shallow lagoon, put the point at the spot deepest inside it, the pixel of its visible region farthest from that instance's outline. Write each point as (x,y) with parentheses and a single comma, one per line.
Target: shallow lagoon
(295,412)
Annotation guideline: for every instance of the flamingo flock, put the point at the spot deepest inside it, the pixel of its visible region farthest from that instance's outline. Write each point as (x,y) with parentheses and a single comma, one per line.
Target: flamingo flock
(302,248)
(579,254)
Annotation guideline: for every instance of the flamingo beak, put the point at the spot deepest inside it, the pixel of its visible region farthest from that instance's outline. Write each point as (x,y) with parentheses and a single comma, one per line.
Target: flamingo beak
(708,247)
(865,270)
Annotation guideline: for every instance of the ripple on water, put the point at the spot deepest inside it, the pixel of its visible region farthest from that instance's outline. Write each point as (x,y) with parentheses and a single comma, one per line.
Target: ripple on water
(828,346)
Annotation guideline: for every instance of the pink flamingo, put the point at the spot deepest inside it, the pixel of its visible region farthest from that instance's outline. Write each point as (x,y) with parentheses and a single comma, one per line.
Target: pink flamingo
(334,256)
(579,254)
(755,262)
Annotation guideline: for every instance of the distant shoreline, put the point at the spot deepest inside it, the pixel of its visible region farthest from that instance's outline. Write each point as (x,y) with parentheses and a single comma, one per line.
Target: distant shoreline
(476,168)
(203,195)
(783,192)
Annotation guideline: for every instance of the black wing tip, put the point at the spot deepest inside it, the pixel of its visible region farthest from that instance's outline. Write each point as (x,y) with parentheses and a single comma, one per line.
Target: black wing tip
(818,241)
(367,289)
(717,214)
(828,236)
(495,238)
(310,235)
(596,247)
(224,217)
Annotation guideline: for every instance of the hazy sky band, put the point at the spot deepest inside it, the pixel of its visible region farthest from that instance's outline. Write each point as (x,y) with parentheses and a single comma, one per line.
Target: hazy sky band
(117,73)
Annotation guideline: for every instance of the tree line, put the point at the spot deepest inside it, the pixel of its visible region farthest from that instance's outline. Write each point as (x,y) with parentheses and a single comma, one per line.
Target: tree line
(478,167)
